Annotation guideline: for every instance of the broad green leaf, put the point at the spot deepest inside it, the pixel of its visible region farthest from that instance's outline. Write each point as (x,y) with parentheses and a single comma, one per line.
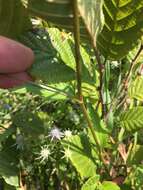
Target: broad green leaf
(48,66)
(132,120)
(91,183)
(123,27)
(135,156)
(61,42)
(78,149)
(13,18)
(91,12)
(99,127)
(136,89)
(51,70)
(65,46)
(54,56)
(108,185)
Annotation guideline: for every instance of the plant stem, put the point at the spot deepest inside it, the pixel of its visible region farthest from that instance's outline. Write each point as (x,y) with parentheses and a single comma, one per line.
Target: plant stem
(101,71)
(132,65)
(79,80)
(77,50)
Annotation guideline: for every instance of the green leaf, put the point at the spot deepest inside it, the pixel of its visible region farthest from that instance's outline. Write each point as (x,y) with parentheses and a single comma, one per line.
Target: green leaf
(135,156)
(91,183)
(54,92)
(136,89)
(91,12)
(65,46)
(48,66)
(78,149)
(51,70)
(134,179)
(13,18)
(8,166)
(122,29)
(99,127)
(132,120)
(12,180)
(108,185)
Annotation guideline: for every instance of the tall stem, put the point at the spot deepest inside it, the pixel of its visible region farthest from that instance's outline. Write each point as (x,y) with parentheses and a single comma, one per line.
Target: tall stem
(77,50)
(79,79)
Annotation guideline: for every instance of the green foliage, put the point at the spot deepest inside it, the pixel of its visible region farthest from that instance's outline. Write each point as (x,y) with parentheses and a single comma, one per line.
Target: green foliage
(13,18)
(132,120)
(64,44)
(122,29)
(57,12)
(82,155)
(94,184)
(135,178)
(135,156)
(91,12)
(108,185)
(42,127)
(9,166)
(99,127)
(91,183)
(136,89)
(48,66)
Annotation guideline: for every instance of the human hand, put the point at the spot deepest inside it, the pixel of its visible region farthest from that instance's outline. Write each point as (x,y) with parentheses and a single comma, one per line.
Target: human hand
(15,59)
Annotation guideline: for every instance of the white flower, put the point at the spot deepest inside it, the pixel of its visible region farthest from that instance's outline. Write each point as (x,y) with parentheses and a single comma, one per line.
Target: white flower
(44,154)
(67,153)
(55,133)
(68,134)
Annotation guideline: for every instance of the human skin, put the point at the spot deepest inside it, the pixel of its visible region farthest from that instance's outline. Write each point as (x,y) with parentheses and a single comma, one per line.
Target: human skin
(15,59)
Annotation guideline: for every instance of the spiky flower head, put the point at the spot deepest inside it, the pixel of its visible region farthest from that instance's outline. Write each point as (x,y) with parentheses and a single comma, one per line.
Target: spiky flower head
(56,133)
(68,134)
(44,153)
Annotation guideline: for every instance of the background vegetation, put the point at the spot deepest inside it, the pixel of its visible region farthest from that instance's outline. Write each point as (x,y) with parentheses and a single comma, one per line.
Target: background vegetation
(79,124)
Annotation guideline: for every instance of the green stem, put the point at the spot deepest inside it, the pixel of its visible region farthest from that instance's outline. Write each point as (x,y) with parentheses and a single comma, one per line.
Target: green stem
(77,50)
(79,79)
